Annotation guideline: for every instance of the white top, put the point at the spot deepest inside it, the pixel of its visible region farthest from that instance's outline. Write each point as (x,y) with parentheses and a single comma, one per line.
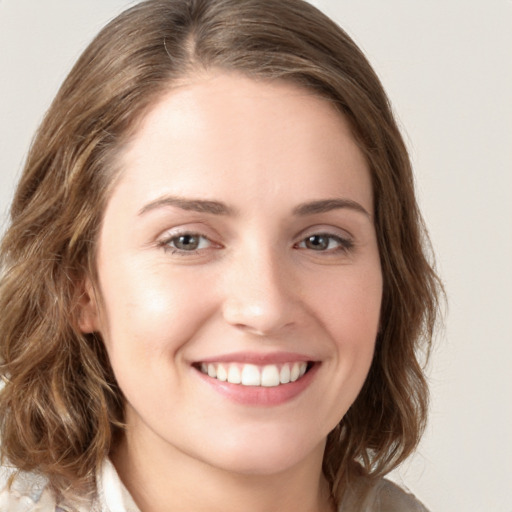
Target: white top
(30,493)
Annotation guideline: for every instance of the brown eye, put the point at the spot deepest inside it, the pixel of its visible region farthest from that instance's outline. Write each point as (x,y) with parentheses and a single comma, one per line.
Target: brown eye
(186,243)
(325,242)
(317,242)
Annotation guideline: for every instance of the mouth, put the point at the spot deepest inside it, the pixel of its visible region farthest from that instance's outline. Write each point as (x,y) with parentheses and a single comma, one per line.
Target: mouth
(253,375)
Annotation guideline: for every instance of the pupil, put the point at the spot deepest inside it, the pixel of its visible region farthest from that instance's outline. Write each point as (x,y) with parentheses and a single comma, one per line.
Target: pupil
(187,242)
(317,242)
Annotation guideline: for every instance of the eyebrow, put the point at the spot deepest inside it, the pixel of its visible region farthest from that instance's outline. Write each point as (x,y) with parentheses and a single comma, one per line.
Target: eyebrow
(327,205)
(219,208)
(195,205)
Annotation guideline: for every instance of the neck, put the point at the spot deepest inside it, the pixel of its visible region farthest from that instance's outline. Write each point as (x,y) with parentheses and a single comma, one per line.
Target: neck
(172,481)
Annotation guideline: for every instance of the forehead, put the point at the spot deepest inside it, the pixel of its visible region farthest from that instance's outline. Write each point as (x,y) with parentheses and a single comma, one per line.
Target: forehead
(263,139)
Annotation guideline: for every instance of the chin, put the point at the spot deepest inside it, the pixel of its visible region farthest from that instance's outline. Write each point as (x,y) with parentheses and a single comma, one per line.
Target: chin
(264,455)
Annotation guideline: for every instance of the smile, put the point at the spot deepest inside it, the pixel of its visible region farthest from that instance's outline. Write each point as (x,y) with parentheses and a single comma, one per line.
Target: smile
(269,375)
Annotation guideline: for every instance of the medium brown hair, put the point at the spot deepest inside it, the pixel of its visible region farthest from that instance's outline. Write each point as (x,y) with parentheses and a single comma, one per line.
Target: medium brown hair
(60,408)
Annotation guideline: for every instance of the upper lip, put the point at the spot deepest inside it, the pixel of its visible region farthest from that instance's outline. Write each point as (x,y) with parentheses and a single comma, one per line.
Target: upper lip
(257,358)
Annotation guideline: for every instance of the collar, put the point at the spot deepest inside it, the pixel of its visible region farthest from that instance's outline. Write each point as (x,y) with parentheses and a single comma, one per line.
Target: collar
(112,494)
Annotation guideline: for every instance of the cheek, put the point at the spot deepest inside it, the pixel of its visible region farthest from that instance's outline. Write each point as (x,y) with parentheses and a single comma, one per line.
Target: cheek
(349,309)
(348,303)
(150,314)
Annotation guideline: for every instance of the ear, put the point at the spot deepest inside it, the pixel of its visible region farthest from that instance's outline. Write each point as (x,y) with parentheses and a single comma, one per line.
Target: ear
(88,310)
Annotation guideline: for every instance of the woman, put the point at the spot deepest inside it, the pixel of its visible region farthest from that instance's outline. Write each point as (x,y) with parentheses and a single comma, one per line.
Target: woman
(214,290)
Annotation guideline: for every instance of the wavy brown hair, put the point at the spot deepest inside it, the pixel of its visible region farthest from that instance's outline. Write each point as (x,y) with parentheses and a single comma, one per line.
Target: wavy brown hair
(60,409)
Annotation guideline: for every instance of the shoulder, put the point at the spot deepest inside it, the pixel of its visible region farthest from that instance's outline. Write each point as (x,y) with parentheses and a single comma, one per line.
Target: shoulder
(30,492)
(24,492)
(380,496)
(392,498)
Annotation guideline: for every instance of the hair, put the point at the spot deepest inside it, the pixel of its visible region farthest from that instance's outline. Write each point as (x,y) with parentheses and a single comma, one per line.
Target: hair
(60,409)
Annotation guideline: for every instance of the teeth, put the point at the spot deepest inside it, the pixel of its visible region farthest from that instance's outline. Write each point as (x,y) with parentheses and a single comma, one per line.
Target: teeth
(270,375)
(284,376)
(222,374)
(234,374)
(294,374)
(251,375)
(212,372)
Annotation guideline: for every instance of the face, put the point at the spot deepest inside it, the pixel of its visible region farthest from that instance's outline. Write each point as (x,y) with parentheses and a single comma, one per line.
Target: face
(239,274)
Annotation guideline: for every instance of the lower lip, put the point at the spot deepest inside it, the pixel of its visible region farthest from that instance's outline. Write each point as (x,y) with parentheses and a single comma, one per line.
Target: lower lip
(261,395)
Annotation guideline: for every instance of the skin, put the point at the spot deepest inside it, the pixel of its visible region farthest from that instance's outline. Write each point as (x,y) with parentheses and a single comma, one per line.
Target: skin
(254,284)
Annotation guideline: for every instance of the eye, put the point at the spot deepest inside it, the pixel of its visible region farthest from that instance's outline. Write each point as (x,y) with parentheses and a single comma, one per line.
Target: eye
(186,242)
(325,242)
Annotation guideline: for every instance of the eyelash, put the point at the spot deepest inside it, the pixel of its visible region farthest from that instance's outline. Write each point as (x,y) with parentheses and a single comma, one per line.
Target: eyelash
(342,244)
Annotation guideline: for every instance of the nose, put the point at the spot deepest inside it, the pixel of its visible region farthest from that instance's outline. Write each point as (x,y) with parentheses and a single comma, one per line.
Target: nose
(261,294)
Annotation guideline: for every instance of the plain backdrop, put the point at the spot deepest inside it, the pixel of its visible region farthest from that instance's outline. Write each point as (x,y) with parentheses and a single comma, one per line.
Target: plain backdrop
(447,67)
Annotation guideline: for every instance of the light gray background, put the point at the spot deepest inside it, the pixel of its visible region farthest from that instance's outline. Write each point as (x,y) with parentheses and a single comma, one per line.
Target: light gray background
(447,66)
